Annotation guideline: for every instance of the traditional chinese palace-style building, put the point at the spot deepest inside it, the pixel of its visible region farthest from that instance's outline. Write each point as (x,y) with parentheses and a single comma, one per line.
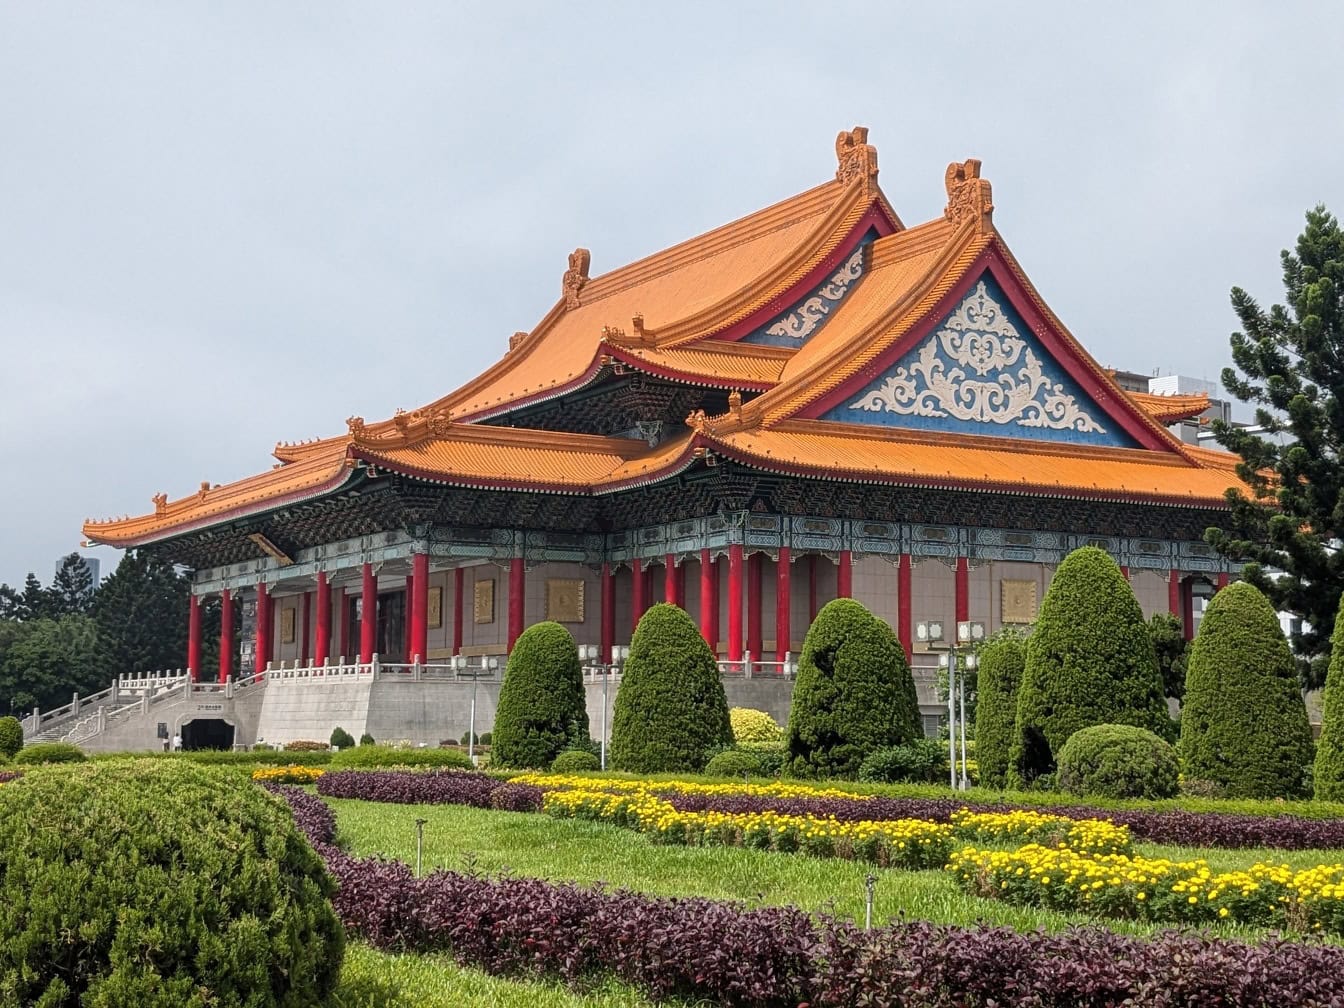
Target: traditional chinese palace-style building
(810,402)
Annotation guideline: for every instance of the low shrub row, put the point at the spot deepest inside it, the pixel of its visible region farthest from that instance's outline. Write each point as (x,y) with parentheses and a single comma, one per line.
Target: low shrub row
(389,756)
(432,787)
(1156,889)
(777,957)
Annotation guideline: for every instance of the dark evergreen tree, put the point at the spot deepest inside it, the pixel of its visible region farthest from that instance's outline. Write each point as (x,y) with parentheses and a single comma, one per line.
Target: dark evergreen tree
(72,588)
(1243,723)
(670,709)
(35,602)
(141,612)
(1001,659)
(1291,367)
(542,709)
(11,603)
(854,693)
(48,660)
(1171,649)
(1329,775)
(1089,661)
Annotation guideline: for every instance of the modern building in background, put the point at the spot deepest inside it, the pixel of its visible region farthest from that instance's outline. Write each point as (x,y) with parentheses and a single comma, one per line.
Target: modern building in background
(91,564)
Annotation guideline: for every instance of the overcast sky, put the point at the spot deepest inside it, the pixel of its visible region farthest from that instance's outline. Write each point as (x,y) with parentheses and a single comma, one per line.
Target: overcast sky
(223,225)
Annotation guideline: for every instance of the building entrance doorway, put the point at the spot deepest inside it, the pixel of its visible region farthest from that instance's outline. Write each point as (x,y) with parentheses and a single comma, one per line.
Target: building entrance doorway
(390,639)
(207,733)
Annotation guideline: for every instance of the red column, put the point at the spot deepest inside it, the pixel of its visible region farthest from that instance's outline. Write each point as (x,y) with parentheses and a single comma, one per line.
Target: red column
(811,587)
(306,629)
(963,590)
(709,602)
(194,638)
(517,593)
(905,628)
(263,639)
(458,607)
(844,576)
(670,579)
(409,615)
(342,624)
(323,649)
(1125,571)
(608,630)
(681,585)
(1188,609)
(1222,581)
(1174,593)
(225,635)
(420,608)
(368,614)
(734,602)
(755,603)
(783,601)
(636,594)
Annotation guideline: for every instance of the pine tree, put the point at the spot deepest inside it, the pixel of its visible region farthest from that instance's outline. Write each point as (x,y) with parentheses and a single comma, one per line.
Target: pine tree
(72,588)
(1090,661)
(35,602)
(1244,724)
(854,693)
(1291,362)
(542,705)
(141,612)
(1329,773)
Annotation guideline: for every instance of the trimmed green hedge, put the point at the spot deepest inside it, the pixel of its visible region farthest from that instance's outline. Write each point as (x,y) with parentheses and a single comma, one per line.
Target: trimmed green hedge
(367,756)
(159,884)
(575,761)
(49,752)
(1118,761)
(1328,778)
(734,763)
(1001,660)
(670,709)
(1243,723)
(542,710)
(854,693)
(11,737)
(1089,661)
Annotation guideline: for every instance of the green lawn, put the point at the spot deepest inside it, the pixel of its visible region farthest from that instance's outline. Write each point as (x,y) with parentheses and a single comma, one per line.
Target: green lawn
(460,838)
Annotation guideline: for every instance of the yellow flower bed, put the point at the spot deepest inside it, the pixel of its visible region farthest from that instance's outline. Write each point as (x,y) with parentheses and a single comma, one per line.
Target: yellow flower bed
(1157,889)
(899,843)
(560,782)
(1083,835)
(288,774)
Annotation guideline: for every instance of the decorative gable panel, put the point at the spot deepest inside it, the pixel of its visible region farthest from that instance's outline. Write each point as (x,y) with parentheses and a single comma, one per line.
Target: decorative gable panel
(983,372)
(800,323)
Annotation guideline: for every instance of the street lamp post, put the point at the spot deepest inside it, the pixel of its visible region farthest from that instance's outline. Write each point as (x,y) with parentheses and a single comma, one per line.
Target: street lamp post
(590,654)
(460,667)
(969,632)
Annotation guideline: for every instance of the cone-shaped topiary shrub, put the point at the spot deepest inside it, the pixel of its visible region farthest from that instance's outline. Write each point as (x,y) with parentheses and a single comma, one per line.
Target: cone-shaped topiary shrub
(341,739)
(1118,761)
(1243,723)
(854,693)
(541,709)
(1329,775)
(1001,659)
(159,884)
(1089,661)
(670,708)
(11,737)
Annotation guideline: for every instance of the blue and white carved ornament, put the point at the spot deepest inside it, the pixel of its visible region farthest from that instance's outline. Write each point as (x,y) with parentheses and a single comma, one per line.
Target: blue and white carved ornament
(794,327)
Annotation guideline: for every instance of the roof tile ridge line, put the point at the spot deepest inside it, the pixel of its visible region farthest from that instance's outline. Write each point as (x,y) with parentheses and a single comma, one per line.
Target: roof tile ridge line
(902,245)
(673,371)
(1091,362)
(808,427)
(495,434)
(824,239)
(729,348)
(224,490)
(768,413)
(881,199)
(756,224)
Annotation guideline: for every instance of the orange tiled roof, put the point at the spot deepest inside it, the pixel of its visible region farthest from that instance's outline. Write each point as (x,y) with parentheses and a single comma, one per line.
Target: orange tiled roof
(716,363)
(1168,409)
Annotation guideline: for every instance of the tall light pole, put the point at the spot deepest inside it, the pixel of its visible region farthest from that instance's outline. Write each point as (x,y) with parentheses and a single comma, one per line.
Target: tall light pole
(459,665)
(969,632)
(590,655)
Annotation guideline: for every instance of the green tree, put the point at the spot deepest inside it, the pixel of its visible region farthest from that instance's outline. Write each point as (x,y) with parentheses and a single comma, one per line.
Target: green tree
(670,709)
(141,612)
(48,660)
(854,693)
(72,588)
(36,601)
(1171,649)
(1329,774)
(1244,724)
(1001,659)
(1089,661)
(1291,367)
(542,709)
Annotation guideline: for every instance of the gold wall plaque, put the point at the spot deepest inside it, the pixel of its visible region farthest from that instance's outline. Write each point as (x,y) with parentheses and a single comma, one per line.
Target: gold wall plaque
(1017,602)
(436,607)
(564,600)
(484,601)
(287,625)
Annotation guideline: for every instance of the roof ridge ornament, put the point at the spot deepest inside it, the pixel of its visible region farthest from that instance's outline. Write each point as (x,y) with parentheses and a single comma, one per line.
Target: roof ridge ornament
(969,197)
(857,158)
(576,276)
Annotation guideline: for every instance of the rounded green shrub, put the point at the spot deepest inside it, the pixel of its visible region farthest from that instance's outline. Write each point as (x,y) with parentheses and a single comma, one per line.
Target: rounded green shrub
(670,709)
(753,725)
(367,739)
(1001,660)
(1118,761)
(734,763)
(11,737)
(369,756)
(1244,723)
(1089,661)
(487,738)
(770,755)
(854,693)
(50,752)
(1328,778)
(159,884)
(919,761)
(575,761)
(542,708)
(341,739)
